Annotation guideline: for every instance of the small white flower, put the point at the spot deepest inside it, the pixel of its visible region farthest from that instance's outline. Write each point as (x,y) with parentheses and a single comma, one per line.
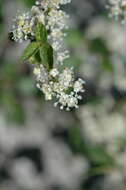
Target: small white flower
(57,33)
(72,102)
(78,85)
(117,9)
(23,27)
(56,45)
(37,13)
(37,71)
(61,56)
(54,3)
(66,78)
(41,74)
(56,18)
(63,100)
(54,72)
(47,91)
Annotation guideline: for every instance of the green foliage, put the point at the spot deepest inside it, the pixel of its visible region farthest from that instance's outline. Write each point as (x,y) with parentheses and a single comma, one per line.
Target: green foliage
(98,46)
(14,109)
(45,50)
(40,51)
(9,97)
(98,157)
(30,50)
(29,3)
(46,54)
(41,33)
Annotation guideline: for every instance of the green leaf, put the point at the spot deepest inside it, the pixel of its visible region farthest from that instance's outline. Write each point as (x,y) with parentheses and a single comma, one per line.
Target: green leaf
(41,33)
(99,156)
(46,54)
(30,50)
(29,3)
(98,45)
(13,108)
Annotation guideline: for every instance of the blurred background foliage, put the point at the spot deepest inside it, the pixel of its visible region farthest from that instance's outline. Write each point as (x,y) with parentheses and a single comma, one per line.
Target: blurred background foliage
(43,148)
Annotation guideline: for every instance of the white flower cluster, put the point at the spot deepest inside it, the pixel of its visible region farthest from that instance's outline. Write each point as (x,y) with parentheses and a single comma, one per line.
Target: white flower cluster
(47,12)
(117,9)
(53,4)
(60,85)
(23,27)
(55,23)
(52,83)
